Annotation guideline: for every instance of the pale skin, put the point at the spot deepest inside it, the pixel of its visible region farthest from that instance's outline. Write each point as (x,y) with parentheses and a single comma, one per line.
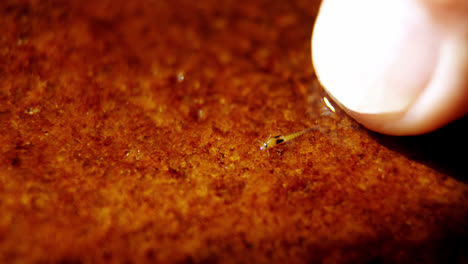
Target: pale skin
(399,67)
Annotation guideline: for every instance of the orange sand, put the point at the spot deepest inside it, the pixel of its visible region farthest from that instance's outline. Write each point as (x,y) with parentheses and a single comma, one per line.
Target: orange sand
(128,135)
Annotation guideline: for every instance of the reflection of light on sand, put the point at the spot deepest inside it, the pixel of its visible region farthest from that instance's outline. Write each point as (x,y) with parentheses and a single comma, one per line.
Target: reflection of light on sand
(328,104)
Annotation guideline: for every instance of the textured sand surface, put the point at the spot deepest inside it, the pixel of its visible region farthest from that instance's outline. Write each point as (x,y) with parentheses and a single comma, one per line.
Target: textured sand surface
(128,135)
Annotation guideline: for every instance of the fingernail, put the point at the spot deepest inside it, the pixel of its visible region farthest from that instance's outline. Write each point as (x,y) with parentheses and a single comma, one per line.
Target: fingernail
(374,56)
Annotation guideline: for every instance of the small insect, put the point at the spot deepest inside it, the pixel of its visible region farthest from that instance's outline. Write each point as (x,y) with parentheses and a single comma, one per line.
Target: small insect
(280,139)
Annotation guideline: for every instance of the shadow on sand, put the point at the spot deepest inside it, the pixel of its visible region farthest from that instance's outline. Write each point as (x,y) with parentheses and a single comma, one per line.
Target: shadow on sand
(445,150)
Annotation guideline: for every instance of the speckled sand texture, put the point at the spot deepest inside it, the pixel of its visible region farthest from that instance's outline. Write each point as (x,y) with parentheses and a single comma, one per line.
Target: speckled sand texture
(128,135)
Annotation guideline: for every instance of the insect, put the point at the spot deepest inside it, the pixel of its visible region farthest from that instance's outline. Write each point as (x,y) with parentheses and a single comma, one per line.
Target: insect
(280,139)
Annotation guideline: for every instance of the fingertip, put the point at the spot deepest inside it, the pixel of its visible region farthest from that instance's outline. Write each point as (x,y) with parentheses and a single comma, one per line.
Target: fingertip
(443,100)
(403,74)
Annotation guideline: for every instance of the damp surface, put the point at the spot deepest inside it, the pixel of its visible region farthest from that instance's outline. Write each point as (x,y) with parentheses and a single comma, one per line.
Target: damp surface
(128,133)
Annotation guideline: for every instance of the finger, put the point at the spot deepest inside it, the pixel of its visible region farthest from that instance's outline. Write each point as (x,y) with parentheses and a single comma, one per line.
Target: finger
(399,67)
